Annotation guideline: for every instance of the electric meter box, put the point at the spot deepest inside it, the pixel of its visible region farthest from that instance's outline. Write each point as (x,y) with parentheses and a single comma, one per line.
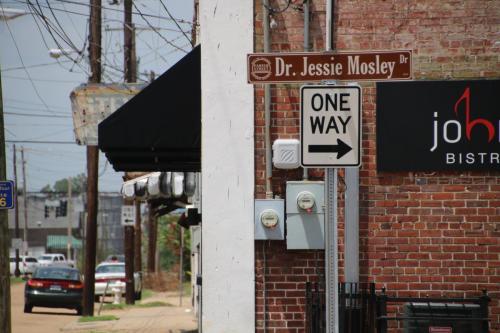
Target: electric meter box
(286,153)
(305,215)
(269,219)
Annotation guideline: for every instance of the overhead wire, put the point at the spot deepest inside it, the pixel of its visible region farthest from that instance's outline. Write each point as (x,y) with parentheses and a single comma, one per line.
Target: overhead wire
(41,142)
(72,22)
(175,21)
(38,80)
(33,109)
(183,21)
(68,39)
(35,115)
(33,66)
(22,62)
(45,42)
(51,29)
(156,31)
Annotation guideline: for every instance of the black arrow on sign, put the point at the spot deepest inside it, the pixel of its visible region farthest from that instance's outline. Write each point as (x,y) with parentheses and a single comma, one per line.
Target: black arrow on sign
(341,148)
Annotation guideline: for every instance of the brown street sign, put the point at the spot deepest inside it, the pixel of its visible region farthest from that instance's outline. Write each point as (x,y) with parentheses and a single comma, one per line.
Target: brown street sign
(314,67)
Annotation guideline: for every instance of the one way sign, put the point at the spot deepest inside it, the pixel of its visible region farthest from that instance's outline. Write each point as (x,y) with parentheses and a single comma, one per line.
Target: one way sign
(330,126)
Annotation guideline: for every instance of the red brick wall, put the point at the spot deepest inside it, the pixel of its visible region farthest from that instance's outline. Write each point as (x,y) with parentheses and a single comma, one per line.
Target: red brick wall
(435,234)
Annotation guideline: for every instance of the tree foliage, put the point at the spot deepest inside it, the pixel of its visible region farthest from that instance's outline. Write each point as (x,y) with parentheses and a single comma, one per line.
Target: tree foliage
(78,185)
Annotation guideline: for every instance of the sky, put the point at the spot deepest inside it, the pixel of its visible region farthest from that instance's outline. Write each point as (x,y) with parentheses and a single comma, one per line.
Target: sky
(36,87)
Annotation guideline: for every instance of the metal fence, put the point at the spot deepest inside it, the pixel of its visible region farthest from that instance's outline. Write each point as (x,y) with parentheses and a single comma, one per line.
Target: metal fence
(357,304)
(426,314)
(361,310)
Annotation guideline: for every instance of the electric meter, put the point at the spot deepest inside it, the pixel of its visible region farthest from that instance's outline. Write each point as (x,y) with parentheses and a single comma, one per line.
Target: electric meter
(305,200)
(269,218)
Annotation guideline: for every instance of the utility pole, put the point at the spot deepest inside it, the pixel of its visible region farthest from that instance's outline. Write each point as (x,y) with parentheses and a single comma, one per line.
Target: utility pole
(181,265)
(17,272)
(152,238)
(25,195)
(138,237)
(69,215)
(130,59)
(4,238)
(92,166)
(130,70)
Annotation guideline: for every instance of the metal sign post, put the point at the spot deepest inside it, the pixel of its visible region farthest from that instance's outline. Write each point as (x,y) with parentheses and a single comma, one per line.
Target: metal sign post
(330,136)
(331,252)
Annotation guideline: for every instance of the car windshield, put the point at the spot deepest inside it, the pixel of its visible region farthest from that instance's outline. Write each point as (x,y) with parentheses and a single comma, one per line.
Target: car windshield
(45,258)
(57,274)
(118,257)
(110,269)
(31,260)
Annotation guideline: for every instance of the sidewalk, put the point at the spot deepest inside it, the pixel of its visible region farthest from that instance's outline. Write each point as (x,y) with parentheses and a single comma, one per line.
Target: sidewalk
(164,319)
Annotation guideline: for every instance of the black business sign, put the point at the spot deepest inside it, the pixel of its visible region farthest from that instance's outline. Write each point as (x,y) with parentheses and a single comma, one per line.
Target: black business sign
(438,125)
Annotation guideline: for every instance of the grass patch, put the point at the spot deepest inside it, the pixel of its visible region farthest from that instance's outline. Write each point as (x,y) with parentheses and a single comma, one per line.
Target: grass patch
(97,318)
(187,288)
(151,304)
(147,293)
(114,306)
(16,280)
(137,305)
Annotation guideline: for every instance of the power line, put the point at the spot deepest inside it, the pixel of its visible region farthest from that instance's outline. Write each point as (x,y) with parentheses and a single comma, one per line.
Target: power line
(156,31)
(52,28)
(34,109)
(31,103)
(22,62)
(42,142)
(177,24)
(38,80)
(33,66)
(35,115)
(121,11)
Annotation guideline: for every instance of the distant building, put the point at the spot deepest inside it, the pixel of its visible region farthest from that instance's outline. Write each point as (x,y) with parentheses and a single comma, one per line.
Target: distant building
(48,221)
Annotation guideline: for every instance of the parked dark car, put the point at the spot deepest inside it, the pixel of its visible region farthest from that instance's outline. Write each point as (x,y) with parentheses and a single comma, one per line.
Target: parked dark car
(54,287)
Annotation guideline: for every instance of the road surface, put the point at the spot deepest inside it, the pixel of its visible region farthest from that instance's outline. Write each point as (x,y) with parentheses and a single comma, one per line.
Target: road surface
(42,320)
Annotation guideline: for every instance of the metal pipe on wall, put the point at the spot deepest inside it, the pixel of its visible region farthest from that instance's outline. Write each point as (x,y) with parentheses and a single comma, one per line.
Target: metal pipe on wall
(267,144)
(267,105)
(305,7)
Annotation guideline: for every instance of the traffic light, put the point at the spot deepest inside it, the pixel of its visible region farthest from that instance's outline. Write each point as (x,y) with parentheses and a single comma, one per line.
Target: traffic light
(46,211)
(64,208)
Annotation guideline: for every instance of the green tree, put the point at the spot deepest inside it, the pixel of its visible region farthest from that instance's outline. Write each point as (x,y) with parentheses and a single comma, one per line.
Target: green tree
(46,189)
(169,243)
(78,182)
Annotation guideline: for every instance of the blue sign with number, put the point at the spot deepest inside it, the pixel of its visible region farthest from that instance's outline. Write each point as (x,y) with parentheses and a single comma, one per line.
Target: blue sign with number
(7,194)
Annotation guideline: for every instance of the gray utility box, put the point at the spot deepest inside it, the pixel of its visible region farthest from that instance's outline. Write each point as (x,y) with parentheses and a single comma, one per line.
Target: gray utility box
(305,215)
(269,219)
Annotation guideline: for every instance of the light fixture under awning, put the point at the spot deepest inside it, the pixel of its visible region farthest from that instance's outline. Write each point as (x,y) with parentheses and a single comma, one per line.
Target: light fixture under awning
(160,128)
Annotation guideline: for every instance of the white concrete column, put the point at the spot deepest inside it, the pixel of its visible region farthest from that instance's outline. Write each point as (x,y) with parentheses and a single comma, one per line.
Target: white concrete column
(228,296)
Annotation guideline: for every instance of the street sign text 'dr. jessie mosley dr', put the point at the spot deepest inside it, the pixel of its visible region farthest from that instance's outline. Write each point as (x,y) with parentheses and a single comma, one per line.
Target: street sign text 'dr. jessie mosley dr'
(316,67)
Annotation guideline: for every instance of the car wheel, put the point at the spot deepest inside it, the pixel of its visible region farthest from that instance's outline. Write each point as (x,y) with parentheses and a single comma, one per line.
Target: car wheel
(79,311)
(28,308)
(138,295)
(97,299)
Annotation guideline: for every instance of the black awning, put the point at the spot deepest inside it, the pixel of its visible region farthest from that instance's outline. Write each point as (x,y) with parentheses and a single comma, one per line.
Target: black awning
(160,128)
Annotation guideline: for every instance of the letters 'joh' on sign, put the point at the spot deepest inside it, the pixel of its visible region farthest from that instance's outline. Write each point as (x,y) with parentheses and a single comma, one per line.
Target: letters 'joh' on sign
(7,194)
(330,126)
(316,67)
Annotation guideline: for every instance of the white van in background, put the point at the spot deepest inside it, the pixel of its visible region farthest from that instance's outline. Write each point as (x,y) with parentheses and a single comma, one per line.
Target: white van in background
(27,264)
(54,259)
